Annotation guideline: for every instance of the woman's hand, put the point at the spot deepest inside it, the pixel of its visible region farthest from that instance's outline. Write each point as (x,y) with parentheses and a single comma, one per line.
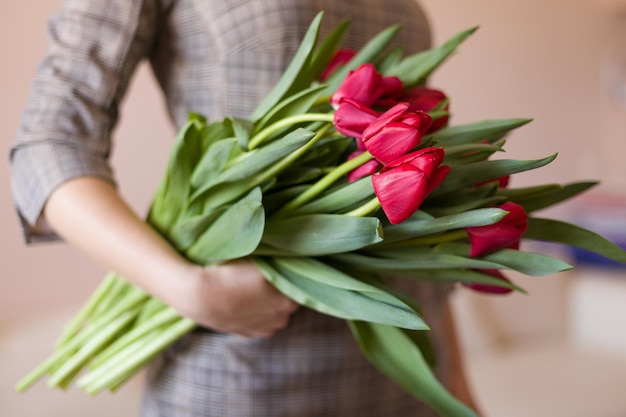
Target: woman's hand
(235,298)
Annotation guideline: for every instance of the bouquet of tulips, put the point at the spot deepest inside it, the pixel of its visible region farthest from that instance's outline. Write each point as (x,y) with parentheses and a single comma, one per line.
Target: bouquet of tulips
(346,172)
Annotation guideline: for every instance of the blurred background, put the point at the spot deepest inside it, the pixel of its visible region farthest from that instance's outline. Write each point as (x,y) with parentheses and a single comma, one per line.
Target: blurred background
(558,351)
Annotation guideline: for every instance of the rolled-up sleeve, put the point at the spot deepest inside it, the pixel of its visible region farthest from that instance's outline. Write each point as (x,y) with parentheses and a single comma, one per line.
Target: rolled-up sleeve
(65,132)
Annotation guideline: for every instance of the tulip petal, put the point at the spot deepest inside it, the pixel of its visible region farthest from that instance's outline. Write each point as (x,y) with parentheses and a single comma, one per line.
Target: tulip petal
(384,119)
(486,239)
(433,157)
(393,141)
(352,118)
(400,191)
(388,90)
(360,85)
(437,177)
(505,234)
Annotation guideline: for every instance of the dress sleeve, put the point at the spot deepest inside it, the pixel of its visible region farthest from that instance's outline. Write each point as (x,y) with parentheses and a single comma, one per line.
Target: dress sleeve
(65,132)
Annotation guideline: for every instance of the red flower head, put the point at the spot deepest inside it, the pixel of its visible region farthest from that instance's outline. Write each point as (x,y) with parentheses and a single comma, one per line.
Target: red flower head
(427,99)
(402,185)
(342,56)
(489,288)
(352,118)
(395,132)
(504,234)
(366,86)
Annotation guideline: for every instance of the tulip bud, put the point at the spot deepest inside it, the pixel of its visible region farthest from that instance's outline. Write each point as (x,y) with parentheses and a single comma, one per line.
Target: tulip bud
(366,86)
(505,234)
(402,185)
(395,133)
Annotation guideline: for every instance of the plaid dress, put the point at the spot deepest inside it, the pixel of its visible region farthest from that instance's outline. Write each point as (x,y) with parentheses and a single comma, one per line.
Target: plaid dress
(218,58)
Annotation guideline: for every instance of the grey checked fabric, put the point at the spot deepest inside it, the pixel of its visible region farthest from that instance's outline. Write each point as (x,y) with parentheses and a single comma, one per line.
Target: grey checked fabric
(218,58)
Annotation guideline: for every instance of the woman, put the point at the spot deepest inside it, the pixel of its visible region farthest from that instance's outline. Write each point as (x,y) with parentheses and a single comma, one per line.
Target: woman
(255,353)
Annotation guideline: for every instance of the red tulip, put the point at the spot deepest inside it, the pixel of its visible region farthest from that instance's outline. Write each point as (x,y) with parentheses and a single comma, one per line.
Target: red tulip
(427,99)
(352,118)
(489,288)
(504,234)
(342,56)
(368,87)
(395,132)
(403,184)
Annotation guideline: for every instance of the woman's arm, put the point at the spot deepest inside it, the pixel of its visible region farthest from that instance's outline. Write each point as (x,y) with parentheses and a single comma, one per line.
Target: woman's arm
(234,298)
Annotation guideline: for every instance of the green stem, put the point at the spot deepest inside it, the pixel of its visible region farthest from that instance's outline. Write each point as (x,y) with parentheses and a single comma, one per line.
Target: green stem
(260,137)
(89,349)
(365,209)
(325,182)
(160,319)
(61,354)
(87,310)
(322,100)
(428,240)
(137,355)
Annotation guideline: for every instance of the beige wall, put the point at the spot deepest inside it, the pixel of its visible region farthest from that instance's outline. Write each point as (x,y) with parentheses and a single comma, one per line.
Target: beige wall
(543,59)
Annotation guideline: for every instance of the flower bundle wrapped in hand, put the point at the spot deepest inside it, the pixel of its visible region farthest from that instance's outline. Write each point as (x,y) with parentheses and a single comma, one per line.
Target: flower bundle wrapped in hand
(347,171)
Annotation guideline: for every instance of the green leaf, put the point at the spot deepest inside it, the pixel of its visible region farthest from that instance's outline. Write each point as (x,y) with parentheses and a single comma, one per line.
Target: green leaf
(299,174)
(323,273)
(187,231)
(485,131)
(560,232)
(455,275)
(396,355)
(324,53)
(234,234)
(213,162)
(253,162)
(298,68)
(171,197)
(458,151)
(468,175)
(368,53)
(218,196)
(320,234)
(213,132)
(529,263)
(423,259)
(442,207)
(339,199)
(273,200)
(242,130)
(551,195)
(336,301)
(412,228)
(390,60)
(415,69)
